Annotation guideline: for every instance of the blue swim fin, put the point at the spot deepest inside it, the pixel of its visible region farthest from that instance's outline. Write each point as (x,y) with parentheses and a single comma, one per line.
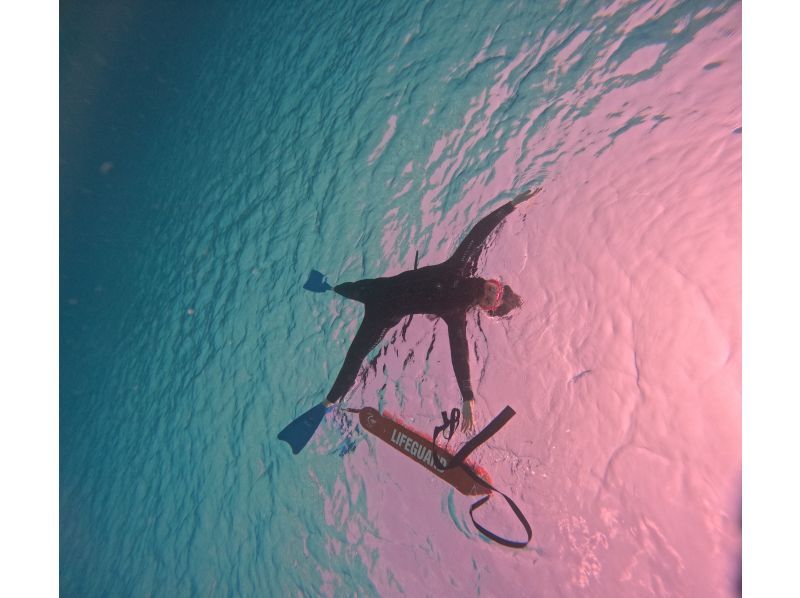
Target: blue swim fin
(316,283)
(300,431)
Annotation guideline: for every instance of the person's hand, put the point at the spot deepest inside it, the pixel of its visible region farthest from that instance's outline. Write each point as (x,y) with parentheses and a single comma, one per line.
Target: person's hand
(525,195)
(467,424)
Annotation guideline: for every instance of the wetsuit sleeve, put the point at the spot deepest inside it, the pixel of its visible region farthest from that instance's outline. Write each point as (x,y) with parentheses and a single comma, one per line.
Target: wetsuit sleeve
(465,258)
(459,353)
(372,329)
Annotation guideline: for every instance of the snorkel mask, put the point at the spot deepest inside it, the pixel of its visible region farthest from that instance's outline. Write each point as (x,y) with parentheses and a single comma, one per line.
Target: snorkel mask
(498,298)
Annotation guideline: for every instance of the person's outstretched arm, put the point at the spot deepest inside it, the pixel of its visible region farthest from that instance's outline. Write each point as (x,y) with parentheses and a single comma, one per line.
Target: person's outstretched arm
(459,354)
(465,257)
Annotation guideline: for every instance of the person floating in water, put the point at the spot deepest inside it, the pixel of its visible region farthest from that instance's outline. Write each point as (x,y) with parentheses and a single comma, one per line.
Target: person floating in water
(446,290)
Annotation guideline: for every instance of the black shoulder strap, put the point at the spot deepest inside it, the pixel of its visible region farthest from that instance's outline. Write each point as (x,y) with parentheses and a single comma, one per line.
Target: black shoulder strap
(490,430)
(458,461)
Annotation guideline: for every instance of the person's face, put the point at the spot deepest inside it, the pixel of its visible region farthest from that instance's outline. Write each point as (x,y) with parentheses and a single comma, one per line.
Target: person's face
(489,296)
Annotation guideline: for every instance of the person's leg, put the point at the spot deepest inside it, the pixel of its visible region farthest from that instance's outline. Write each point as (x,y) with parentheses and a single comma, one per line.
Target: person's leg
(372,330)
(360,290)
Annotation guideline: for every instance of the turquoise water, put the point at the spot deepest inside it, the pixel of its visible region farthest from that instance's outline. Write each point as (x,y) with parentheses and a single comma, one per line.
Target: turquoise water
(209,159)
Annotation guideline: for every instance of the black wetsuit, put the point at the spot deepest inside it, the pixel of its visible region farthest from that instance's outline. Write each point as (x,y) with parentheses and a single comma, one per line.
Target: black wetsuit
(446,290)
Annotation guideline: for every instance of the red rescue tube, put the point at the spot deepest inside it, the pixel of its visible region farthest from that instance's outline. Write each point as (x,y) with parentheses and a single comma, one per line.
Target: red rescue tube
(419,448)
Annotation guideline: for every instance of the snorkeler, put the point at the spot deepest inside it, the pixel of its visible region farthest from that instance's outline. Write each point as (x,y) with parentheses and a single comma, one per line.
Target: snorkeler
(446,290)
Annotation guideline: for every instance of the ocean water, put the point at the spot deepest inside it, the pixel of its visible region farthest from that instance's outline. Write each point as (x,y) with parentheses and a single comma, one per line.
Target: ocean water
(210,157)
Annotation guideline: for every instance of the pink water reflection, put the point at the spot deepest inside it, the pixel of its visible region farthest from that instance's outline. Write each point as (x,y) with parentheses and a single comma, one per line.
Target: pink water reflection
(624,365)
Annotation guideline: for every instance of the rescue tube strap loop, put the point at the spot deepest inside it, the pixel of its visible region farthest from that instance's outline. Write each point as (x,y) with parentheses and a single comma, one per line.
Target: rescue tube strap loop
(458,461)
(462,476)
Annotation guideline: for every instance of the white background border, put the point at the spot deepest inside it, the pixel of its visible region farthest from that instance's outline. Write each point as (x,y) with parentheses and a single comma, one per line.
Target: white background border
(770,299)
(29,299)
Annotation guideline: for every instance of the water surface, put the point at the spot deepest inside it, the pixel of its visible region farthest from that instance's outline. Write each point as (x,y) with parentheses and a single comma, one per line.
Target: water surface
(210,158)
